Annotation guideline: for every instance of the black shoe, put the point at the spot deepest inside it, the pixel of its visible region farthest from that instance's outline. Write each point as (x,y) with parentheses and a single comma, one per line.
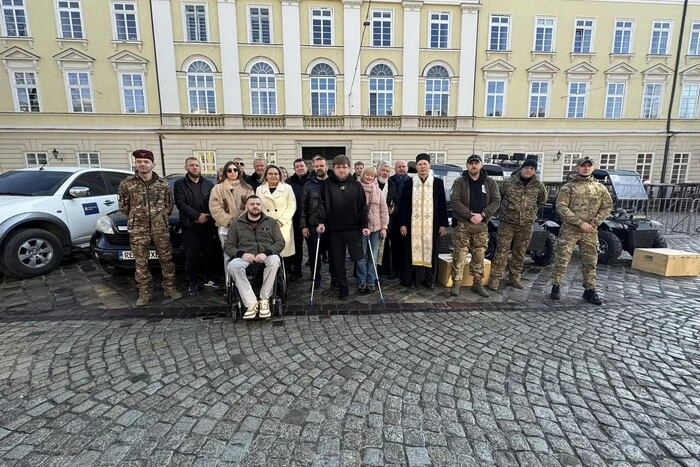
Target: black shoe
(590,295)
(316,285)
(555,294)
(343,293)
(193,289)
(427,285)
(335,283)
(392,276)
(408,285)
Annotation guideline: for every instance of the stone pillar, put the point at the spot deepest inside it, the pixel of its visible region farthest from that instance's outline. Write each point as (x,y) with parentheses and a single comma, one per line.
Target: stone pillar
(292,57)
(351,48)
(411,54)
(230,60)
(467,60)
(165,57)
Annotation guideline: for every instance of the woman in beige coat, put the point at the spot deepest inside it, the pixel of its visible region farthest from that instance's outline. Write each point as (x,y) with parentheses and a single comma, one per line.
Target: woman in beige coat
(279,202)
(227,199)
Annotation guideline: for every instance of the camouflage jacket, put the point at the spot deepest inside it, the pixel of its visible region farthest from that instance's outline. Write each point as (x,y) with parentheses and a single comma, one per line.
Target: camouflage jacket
(583,199)
(519,202)
(146,205)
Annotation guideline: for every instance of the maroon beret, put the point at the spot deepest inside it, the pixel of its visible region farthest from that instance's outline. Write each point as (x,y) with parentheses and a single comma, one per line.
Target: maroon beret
(143,154)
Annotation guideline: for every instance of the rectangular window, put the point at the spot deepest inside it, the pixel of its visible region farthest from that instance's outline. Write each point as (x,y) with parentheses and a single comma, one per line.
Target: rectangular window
(544,35)
(125,22)
(622,38)
(381,28)
(133,93)
(26,92)
(71,25)
(608,162)
(378,156)
(689,101)
(381,95)
(539,94)
(196,23)
(322,26)
(263,95)
(88,159)
(679,169)
(439,30)
(438,157)
(694,47)
(577,100)
(651,102)
(208,161)
(614,100)
(437,96)
(269,156)
(569,161)
(323,95)
(660,35)
(260,32)
(79,92)
(14,19)
(644,164)
(36,159)
(495,98)
(583,36)
(499,33)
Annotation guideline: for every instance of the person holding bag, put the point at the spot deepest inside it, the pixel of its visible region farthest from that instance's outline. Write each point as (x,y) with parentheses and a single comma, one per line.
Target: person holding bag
(227,200)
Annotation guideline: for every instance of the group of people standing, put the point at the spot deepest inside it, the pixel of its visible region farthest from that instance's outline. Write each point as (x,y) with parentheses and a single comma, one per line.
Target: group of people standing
(374,218)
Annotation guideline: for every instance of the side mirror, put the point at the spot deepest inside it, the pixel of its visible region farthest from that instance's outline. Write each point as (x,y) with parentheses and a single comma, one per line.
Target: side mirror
(79,191)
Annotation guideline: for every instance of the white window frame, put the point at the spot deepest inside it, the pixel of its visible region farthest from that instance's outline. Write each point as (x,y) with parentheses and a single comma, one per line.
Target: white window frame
(3,24)
(495,96)
(694,42)
(331,91)
(552,30)
(644,167)
(584,27)
(569,161)
(539,95)
(88,157)
(380,23)
(250,24)
(437,157)
(207,159)
(323,18)
(506,26)
(36,162)
(378,156)
(686,101)
(679,166)
(443,18)
(71,20)
(607,161)
(623,29)
(444,96)
(66,78)
(652,101)
(16,88)
(657,26)
(123,89)
(185,29)
(269,156)
(578,96)
(389,91)
(263,91)
(615,97)
(125,13)
(197,89)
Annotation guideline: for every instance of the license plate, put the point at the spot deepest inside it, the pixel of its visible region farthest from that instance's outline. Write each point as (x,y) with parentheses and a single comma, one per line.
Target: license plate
(129,256)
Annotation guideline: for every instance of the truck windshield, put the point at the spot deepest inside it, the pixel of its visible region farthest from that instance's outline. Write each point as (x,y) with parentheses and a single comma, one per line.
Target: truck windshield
(628,186)
(31,183)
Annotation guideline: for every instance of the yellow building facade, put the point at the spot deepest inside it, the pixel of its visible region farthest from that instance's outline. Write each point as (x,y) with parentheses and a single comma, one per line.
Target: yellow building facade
(380,80)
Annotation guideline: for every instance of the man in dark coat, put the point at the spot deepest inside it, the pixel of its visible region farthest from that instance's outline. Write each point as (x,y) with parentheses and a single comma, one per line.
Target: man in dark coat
(396,240)
(309,217)
(297,181)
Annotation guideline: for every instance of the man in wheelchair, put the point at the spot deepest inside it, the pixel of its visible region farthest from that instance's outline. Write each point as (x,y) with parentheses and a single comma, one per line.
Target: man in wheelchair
(254,238)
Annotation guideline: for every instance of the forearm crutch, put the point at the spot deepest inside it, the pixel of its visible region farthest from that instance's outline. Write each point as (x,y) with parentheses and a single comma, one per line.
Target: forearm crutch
(313,283)
(374,264)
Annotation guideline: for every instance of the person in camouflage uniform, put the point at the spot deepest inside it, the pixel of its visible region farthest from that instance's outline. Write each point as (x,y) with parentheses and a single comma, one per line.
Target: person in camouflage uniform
(583,205)
(521,196)
(475,198)
(146,200)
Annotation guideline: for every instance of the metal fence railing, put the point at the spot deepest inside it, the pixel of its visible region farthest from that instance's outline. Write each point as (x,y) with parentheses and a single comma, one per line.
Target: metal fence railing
(676,215)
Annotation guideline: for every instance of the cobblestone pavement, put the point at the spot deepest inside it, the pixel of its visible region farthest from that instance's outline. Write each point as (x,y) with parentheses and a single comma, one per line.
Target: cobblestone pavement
(514,380)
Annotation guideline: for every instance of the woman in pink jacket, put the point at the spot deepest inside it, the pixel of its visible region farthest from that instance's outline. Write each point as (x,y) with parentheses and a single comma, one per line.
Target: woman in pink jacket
(378,221)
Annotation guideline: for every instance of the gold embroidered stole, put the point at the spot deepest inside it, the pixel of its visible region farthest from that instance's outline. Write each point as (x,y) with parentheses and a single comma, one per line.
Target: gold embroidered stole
(422,221)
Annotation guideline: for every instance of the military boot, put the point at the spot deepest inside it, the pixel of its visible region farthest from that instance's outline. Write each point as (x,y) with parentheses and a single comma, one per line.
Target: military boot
(478,289)
(144,298)
(493,283)
(515,281)
(173,293)
(556,293)
(454,290)
(590,295)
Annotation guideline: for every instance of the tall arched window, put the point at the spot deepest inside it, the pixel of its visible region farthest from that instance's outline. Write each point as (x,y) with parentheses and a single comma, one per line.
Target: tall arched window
(322,90)
(263,93)
(200,88)
(381,90)
(437,91)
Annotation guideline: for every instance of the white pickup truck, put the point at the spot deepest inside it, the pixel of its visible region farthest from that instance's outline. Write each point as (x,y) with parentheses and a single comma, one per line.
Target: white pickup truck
(49,212)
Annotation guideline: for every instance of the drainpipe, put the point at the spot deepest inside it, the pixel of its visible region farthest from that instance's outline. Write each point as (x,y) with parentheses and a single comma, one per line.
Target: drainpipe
(679,50)
(160,104)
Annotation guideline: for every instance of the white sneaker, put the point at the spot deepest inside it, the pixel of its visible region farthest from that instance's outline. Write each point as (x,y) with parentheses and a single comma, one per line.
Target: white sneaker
(264,306)
(251,312)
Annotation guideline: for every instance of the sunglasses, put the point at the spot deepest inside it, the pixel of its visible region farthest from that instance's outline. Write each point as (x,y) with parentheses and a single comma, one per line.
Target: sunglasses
(230,170)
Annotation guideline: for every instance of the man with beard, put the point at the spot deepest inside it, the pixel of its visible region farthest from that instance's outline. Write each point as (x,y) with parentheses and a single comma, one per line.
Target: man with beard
(297,181)
(256,178)
(583,205)
(199,233)
(475,198)
(342,209)
(308,219)
(521,196)
(423,219)
(384,255)
(397,241)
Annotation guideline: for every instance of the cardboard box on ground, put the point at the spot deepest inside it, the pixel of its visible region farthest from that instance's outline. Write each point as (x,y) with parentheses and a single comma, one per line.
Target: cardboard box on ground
(666,261)
(445,271)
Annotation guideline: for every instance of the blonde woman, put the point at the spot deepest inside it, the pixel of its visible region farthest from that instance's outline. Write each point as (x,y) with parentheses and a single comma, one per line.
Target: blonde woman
(279,203)
(377,223)
(227,200)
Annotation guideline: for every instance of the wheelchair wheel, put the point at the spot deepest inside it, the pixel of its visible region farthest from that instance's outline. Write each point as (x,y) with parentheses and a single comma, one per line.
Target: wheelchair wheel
(233,301)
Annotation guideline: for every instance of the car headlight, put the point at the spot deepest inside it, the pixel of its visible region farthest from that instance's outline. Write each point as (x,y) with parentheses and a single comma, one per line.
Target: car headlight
(104,225)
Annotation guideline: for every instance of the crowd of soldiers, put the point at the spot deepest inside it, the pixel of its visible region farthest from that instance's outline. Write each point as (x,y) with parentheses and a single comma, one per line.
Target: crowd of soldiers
(386,224)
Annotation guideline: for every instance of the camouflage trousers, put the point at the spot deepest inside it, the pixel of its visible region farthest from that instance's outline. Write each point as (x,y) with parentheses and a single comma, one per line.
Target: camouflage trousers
(569,236)
(463,242)
(139,247)
(519,236)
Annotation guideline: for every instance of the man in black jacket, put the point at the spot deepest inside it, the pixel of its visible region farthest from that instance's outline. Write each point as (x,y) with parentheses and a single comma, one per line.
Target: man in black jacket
(342,209)
(199,234)
(308,219)
(256,178)
(396,240)
(297,181)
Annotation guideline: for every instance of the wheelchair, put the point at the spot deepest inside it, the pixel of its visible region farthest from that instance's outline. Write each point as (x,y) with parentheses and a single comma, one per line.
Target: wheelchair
(254,273)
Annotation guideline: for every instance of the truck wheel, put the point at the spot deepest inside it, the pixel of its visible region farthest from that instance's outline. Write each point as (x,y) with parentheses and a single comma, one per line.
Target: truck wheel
(30,253)
(491,247)
(549,254)
(610,247)
(659,242)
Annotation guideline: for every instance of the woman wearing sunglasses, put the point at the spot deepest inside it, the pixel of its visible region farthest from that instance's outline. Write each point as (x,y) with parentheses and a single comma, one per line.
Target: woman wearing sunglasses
(227,200)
